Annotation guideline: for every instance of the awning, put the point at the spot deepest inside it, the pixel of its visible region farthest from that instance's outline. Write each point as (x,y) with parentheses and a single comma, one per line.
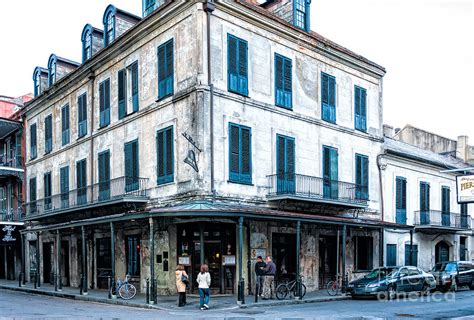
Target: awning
(8,126)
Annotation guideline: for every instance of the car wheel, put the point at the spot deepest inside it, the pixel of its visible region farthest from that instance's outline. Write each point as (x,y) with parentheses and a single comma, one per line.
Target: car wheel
(391,292)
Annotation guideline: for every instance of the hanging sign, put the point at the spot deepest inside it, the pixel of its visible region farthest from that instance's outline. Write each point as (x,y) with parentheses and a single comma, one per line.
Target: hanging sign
(8,234)
(465,189)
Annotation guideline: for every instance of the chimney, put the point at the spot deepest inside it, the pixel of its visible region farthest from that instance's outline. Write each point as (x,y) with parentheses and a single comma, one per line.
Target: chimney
(462,148)
(388,131)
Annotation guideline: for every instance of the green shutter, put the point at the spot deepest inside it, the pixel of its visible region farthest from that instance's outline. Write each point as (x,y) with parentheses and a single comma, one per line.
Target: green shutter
(391,255)
(165,70)
(131,166)
(286,166)
(240,163)
(135,86)
(122,94)
(165,157)
(237,65)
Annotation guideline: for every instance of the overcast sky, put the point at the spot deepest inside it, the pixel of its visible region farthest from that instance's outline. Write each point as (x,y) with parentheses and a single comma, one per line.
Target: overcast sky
(427,47)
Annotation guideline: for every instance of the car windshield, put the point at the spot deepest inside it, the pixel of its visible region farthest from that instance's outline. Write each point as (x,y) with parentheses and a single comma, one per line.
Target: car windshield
(379,273)
(443,266)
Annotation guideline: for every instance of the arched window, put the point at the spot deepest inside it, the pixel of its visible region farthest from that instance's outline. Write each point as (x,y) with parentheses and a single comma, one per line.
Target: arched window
(301,14)
(109,25)
(86,43)
(37,81)
(52,70)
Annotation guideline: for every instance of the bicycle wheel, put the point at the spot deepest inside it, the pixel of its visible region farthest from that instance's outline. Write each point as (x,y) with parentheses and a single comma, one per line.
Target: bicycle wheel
(282,291)
(332,288)
(303,290)
(127,291)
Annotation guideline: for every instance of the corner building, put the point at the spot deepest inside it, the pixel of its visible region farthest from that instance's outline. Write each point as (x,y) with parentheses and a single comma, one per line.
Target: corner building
(205,132)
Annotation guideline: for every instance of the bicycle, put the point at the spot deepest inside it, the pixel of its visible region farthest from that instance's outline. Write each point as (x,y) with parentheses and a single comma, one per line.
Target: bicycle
(288,288)
(125,289)
(333,287)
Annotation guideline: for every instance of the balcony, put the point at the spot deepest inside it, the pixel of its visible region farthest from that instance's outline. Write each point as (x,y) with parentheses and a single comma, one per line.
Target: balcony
(299,187)
(11,215)
(11,166)
(119,193)
(433,221)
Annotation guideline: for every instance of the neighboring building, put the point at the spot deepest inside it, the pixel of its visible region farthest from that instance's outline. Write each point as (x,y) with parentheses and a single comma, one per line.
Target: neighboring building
(420,193)
(227,130)
(11,185)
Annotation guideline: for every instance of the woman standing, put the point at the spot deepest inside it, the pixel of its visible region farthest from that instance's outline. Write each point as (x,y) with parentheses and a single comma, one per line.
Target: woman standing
(204,281)
(181,280)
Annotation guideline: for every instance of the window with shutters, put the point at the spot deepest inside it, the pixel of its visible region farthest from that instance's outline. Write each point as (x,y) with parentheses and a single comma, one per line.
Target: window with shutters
(33,142)
(424,203)
(283,82)
(65,125)
(391,255)
(165,70)
(82,115)
(301,14)
(401,200)
(330,173)
(33,206)
(445,206)
(362,177)
(128,90)
(328,97)
(64,186)
(47,191)
(360,104)
(81,181)
(414,255)
(104,103)
(237,65)
(464,215)
(131,166)
(148,7)
(48,134)
(165,156)
(240,154)
(286,164)
(104,175)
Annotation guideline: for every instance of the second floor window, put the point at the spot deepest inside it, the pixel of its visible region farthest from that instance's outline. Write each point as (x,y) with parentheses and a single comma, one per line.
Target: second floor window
(237,65)
(32,207)
(104,175)
(283,82)
(131,166)
(65,124)
(165,69)
(464,215)
(330,173)
(445,206)
(360,109)
(128,83)
(362,177)
(82,115)
(401,200)
(81,181)
(64,186)
(48,134)
(164,149)
(328,97)
(104,103)
(47,191)
(240,154)
(424,203)
(33,142)
(286,164)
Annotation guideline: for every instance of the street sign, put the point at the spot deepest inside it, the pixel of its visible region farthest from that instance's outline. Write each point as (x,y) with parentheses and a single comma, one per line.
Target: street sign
(465,189)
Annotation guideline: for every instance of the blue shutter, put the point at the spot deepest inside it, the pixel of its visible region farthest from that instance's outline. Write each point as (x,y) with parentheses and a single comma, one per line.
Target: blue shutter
(104,103)
(283,82)
(165,70)
(122,94)
(81,181)
(165,156)
(48,134)
(362,177)
(360,108)
(47,191)
(33,142)
(446,207)
(82,115)
(401,206)
(330,173)
(391,255)
(104,175)
(286,166)
(240,153)
(424,203)
(237,65)
(64,186)
(131,166)
(135,86)
(328,97)
(415,255)
(65,124)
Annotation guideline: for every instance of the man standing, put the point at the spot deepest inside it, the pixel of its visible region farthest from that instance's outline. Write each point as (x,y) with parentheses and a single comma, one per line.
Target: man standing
(269,284)
(259,266)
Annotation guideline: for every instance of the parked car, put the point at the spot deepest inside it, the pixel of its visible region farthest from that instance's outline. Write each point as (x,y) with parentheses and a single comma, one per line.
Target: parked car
(451,275)
(389,281)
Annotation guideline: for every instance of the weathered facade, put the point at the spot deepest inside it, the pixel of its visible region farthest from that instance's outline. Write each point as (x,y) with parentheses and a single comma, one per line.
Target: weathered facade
(206,132)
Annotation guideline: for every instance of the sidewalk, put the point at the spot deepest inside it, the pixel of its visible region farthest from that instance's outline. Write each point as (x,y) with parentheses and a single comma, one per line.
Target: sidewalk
(218,302)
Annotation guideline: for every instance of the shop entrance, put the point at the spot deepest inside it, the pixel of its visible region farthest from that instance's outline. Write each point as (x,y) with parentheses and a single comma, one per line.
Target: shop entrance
(104,262)
(284,255)
(48,262)
(7,258)
(65,263)
(219,253)
(327,259)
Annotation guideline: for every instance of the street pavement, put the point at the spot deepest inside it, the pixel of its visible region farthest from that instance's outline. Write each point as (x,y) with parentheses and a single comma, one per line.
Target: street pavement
(20,305)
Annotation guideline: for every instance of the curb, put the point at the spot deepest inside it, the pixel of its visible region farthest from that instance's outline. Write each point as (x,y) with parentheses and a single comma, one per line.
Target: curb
(292,302)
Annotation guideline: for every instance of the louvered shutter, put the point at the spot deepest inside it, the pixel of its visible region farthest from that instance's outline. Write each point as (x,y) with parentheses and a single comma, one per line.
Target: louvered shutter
(232,63)
(102,104)
(122,94)
(160,141)
(169,154)
(363,110)
(107,101)
(161,71)
(290,158)
(243,65)
(287,83)
(281,168)
(279,80)
(246,172)
(135,86)
(324,89)
(169,67)
(32,189)
(234,152)
(365,178)
(164,143)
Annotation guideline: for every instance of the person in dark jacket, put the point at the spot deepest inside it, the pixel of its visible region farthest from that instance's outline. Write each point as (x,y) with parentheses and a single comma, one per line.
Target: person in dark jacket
(269,283)
(259,266)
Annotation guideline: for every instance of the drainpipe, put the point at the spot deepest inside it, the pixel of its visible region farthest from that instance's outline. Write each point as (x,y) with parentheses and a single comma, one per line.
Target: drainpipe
(209,7)
(379,166)
(92,80)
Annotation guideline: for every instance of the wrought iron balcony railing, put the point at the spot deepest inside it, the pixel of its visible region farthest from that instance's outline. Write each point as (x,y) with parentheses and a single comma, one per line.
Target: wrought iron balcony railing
(11,215)
(11,162)
(99,193)
(317,189)
(442,219)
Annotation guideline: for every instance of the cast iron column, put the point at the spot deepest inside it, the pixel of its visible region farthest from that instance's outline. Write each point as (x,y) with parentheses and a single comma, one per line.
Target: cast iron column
(152,262)
(381,247)
(240,291)
(298,267)
(23,263)
(343,267)
(58,270)
(201,243)
(85,282)
(38,273)
(112,246)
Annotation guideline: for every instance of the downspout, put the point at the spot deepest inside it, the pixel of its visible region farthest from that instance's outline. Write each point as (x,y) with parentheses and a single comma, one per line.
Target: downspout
(382,211)
(209,7)
(92,80)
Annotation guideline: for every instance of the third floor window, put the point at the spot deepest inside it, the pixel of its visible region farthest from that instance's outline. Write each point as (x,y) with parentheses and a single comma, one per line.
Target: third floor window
(237,65)
(48,134)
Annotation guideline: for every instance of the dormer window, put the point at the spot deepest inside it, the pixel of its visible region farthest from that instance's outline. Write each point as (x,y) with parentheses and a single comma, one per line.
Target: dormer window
(52,70)
(37,82)
(301,14)
(148,7)
(109,25)
(86,45)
